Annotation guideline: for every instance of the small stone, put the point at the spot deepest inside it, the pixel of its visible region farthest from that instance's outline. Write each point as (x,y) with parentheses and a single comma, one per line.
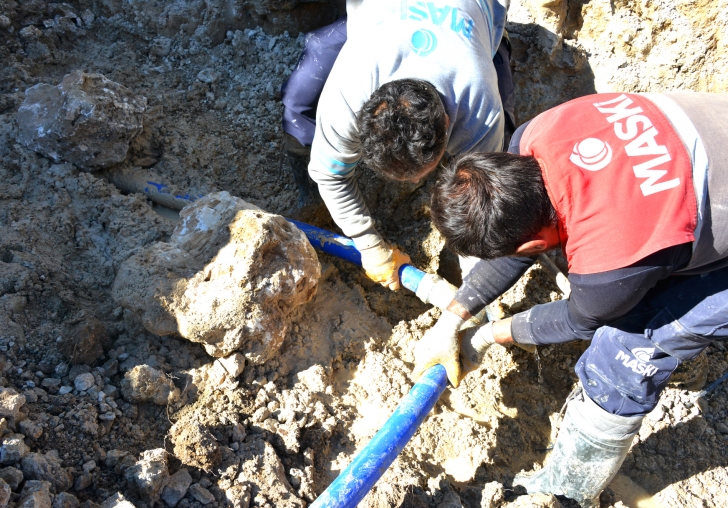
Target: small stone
(13,449)
(83,481)
(5,22)
(208,76)
(238,433)
(65,500)
(234,364)
(111,368)
(64,390)
(61,369)
(194,445)
(47,468)
(146,384)
(10,404)
(88,17)
(238,496)
(35,494)
(161,46)
(113,457)
(30,429)
(12,476)
(201,494)
(51,382)
(5,493)
(149,475)
(117,501)
(84,381)
(177,487)
(89,466)
(30,396)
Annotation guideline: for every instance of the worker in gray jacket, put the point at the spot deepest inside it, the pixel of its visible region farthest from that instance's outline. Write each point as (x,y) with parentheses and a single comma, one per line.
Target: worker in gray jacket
(412,82)
(634,189)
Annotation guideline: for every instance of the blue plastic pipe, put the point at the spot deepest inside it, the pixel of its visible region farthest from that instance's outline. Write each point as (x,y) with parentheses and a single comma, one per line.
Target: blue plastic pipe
(343,247)
(369,465)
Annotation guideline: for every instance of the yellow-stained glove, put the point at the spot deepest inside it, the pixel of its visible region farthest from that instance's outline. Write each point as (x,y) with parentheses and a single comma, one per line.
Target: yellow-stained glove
(440,345)
(474,342)
(381,264)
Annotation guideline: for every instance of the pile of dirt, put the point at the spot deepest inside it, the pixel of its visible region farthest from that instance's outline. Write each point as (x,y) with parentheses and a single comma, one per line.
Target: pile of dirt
(95,404)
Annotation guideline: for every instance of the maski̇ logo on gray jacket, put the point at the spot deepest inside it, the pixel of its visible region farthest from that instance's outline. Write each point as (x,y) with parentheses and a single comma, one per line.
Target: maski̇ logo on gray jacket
(639,363)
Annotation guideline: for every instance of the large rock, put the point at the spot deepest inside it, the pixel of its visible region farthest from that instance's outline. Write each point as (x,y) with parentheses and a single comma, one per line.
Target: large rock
(147,384)
(149,475)
(229,278)
(87,120)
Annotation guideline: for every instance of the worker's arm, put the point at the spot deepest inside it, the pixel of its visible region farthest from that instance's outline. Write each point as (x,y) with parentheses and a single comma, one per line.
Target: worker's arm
(596,299)
(334,156)
(489,279)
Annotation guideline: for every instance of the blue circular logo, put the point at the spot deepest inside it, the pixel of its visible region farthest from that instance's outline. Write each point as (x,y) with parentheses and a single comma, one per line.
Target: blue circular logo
(424,42)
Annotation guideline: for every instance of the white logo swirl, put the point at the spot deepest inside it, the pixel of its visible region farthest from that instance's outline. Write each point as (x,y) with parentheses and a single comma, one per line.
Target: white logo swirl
(643,354)
(591,154)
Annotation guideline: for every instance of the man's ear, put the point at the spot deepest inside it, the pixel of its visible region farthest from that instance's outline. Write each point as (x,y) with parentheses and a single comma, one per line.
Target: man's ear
(533,247)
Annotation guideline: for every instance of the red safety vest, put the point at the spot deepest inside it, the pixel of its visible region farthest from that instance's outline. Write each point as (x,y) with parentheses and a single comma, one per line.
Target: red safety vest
(618,176)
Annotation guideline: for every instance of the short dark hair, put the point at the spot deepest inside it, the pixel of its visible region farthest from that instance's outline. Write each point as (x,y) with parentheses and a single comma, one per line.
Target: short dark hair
(488,204)
(402,128)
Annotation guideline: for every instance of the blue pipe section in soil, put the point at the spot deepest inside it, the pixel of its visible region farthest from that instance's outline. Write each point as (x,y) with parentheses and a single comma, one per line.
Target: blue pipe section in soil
(343,247)
(369,465)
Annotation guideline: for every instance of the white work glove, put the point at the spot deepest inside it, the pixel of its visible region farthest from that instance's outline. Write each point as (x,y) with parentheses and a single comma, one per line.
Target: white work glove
(381,264)
(440,345)
(475,342)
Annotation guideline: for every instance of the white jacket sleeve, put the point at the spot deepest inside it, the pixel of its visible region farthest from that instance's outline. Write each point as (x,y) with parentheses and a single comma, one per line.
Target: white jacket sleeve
(335,154)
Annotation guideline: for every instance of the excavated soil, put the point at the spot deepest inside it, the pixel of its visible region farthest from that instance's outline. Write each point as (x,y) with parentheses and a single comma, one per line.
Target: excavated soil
(280,433)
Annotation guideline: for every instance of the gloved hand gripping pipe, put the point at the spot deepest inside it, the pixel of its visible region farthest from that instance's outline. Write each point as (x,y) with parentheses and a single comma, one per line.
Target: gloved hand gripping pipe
(430,288)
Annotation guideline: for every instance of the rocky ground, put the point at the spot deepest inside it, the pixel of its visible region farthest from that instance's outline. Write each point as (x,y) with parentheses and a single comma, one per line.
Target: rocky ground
(97,409)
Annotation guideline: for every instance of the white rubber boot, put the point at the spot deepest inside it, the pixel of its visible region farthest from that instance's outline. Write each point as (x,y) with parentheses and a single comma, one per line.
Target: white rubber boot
(588,452)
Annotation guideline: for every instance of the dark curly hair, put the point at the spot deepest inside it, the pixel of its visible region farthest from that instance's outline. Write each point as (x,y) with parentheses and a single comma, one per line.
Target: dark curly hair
(488,204)
(402,128)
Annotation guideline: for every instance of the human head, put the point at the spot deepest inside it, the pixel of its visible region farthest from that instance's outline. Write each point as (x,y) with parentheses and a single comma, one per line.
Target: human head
(489,205)
(403,129)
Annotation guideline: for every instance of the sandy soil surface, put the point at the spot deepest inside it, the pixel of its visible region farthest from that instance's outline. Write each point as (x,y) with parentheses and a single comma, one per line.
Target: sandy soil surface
(281,433)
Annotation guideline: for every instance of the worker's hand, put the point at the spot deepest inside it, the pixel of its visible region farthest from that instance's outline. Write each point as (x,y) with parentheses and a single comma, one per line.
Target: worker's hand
(381,264)
(440,345)
(474,342)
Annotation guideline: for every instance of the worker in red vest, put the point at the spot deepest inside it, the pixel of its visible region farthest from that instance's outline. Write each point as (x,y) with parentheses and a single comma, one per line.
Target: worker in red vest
(634,189)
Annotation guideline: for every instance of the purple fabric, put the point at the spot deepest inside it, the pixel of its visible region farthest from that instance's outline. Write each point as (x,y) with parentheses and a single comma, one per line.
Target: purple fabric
(302,90)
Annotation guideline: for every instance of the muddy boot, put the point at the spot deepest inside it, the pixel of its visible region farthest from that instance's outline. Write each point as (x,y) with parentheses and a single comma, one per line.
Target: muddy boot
(588,452)
(309,206)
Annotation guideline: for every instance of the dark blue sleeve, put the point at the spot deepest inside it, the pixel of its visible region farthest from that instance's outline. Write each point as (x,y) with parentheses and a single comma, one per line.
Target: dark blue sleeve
(596,299)
(489,279)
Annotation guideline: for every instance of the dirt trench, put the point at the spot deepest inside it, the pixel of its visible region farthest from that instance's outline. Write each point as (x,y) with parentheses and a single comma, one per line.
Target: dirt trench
(280,434)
